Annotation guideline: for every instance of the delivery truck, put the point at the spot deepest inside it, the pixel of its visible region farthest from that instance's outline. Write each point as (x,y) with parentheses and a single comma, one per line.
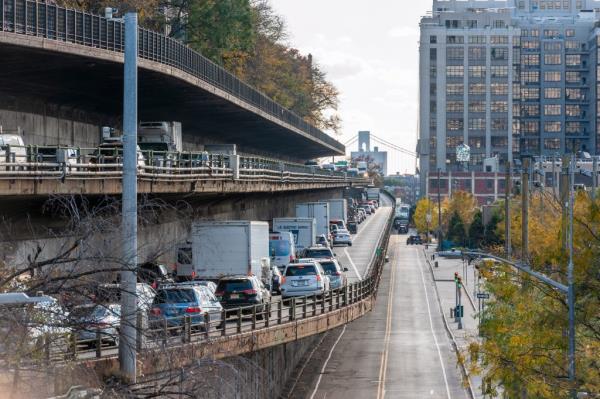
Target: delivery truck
(160,136)
(338,209)
(225,248)
(304,231)
(373,193)
(320,212)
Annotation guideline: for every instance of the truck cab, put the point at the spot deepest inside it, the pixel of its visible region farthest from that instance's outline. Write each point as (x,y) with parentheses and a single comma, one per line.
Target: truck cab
(282,248)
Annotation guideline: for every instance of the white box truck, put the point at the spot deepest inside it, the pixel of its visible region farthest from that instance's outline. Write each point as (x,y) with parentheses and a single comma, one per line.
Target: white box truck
(304,231)
(224,248)
(160,136)
(338,209)
(373,193)
(317,210)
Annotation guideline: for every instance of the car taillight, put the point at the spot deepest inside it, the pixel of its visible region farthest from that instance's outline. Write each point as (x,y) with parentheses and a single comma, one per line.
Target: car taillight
(291,258)
(282,279)
(337,274)
(193,274)
(155,311)
(318,277)
(249,292)
(193,309)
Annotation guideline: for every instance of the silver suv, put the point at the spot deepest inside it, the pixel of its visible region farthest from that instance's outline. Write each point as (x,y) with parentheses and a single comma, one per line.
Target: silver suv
(302,279)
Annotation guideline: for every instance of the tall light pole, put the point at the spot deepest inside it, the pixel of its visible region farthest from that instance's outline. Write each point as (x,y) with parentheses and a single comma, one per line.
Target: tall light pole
(440,236)
(570,281)
(128,328)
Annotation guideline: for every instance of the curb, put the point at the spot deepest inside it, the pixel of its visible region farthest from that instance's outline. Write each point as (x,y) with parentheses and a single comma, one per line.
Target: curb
(449,331)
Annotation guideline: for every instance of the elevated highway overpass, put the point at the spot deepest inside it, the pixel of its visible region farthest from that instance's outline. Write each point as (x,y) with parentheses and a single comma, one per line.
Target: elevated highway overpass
(61,67)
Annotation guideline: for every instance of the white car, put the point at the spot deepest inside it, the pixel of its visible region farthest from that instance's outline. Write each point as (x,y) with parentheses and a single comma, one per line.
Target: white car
(303,279)
(343,237)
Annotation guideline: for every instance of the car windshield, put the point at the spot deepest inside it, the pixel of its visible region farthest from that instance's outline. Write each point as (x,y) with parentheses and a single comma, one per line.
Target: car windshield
(318,253)
(279,248)
(178,295)
(300,271)
(329,267)
(234,285)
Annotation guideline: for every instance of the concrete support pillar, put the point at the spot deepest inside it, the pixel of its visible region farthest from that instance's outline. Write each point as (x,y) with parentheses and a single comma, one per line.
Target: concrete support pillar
(234,164)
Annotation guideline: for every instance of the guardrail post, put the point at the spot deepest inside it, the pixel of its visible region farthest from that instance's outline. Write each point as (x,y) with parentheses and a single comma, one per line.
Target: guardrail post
(187,329)
(254,317)
(267,315)
(279,311)
(314,305)
(98,343)
(304,307)
(142,326)
(207,325)
(323,303)
(47,342)
(224,322)
(73,345)
(330,295)
(337,299)
(234,164)
(292,308)
(239,320)
(345,295)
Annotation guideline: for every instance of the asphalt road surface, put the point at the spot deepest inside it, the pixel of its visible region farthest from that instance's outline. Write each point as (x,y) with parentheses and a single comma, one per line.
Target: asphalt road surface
(400,350)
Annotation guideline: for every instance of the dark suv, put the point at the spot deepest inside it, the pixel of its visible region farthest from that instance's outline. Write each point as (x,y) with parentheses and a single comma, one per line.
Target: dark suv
(241,291)
(414,240)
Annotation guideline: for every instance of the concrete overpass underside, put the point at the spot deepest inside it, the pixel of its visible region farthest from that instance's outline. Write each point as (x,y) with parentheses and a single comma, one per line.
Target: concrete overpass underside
(35,70)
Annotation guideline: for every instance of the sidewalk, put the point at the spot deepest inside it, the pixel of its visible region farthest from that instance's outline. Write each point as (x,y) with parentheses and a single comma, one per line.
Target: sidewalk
(446,287)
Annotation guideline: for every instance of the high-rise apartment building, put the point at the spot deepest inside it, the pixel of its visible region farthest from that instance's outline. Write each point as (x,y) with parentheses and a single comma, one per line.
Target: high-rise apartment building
(507,78)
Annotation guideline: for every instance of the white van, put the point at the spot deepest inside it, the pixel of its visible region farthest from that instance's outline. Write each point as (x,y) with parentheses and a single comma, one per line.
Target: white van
(282,249)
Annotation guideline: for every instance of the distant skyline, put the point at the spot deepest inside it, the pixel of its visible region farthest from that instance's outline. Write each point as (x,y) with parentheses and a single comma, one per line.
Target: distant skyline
(370,52)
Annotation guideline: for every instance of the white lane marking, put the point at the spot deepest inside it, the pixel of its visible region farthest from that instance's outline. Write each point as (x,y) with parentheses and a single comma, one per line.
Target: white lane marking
(388,327)
(352,263)
(314,392)
(437,345)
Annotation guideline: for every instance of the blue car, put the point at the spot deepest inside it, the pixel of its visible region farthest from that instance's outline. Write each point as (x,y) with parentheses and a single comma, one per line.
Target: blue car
(173,302)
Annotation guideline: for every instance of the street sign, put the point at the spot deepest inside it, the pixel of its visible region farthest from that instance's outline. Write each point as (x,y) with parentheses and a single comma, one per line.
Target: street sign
(483,295)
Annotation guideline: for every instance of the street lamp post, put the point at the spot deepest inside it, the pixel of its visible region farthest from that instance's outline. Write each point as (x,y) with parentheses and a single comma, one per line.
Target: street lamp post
(440,237)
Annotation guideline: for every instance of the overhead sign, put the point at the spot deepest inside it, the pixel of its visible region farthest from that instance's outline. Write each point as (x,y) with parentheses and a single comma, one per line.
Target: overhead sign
(483,295)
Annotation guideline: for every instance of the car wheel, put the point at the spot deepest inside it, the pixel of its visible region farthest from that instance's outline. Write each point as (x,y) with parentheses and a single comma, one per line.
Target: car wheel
(349,244)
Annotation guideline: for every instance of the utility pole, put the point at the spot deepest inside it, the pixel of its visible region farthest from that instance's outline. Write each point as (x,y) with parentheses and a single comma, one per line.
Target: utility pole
(594,178)
(440,235)
(570,282)
(564,199)
(128,334)
(525,210)
(507,191)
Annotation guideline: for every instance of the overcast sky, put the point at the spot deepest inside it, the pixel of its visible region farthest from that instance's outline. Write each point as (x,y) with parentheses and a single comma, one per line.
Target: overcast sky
(370,52)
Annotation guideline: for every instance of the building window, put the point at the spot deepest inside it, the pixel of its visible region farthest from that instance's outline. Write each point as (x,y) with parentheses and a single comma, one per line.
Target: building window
(552,59)
(530,127)
(455,39)
(516,91)
(574,128)
(499,106)
(552,109)
(570,32)
(530,76)
(552,76)
(433,89)
(521,4)
(498,39)
(552,144)
(453,23)
(573,59)
(573,77)
(477,124)
(433,54)
(477,39)
(500,124)
(534,33)
(476,106)
(499,89)
(552,126)
(552,92)
(499,53)
(573,110)
(472,24)
(552,46)
(500,142)
(455,71)
(574,94)
(455,53)
(454,125)
(432,123)
(454,106)
(433,72)
(530,44)
(477,72)
(433,39)
(477,89)
(530,93)
(530,59)
(531,110)
(453,89)
(551,33)
(516,110)
(476,53)
(433,106)
(453,142)
(572,45)
(499,71)
(499,24)
(476,142)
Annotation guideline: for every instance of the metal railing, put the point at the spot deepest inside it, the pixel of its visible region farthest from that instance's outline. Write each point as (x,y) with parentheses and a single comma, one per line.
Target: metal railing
(57,23)
(163,332)
(71,163)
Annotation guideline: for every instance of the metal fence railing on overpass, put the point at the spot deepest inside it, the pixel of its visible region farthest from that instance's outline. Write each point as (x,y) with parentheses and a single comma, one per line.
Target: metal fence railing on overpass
(52,22)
